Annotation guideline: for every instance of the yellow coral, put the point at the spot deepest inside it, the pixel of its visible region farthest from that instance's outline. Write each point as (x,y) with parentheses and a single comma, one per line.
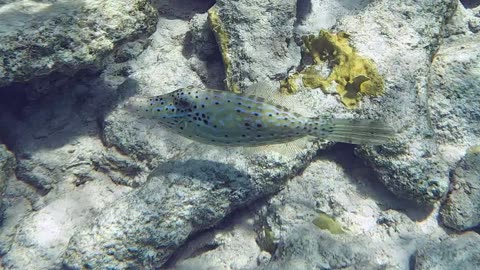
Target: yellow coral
(222,40)
(289,85)
(354,75)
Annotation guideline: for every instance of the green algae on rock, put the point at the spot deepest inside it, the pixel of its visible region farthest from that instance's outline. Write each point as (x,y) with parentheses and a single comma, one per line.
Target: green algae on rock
(325,222)
(355,76)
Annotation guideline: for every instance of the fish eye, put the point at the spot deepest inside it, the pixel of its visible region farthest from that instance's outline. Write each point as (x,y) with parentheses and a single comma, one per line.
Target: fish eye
(184,104)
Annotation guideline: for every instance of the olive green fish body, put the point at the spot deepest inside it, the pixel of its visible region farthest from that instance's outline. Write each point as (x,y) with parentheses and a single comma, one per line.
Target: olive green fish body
(226,118)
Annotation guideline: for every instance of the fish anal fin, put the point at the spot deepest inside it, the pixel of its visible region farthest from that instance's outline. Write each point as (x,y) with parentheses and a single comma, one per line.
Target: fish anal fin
(289,150)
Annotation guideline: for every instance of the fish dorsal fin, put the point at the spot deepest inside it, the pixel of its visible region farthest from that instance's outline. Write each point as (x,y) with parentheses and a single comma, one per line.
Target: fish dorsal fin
(271,94)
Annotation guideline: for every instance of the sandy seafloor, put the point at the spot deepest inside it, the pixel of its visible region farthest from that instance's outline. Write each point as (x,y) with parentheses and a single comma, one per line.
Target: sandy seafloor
(86,184)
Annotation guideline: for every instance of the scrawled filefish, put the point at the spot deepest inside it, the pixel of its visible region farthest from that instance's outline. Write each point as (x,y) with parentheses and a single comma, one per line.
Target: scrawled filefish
(226,118)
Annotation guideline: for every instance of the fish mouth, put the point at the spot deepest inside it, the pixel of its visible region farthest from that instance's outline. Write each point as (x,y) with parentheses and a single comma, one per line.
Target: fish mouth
(134,105)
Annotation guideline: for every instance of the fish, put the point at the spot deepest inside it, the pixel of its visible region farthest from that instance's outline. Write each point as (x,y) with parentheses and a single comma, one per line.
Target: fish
(249,119)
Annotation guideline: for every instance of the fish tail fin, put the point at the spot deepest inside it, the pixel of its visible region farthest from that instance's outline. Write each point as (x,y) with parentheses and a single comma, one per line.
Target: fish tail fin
(355,131)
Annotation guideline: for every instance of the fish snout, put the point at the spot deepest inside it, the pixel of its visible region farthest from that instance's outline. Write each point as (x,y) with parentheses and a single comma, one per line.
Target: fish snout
(133,105)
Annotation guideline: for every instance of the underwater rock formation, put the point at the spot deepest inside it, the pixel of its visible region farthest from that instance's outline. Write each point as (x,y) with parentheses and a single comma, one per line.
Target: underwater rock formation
(41,37)
(460,211)
(256,39)
(454,94)
(180,198)
(456,252)
(411,167)
(98,187)
(7,166)
(325,187)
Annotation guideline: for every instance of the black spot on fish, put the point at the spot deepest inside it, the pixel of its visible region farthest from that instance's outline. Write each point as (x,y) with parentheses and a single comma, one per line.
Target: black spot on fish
(205,121)
(203,115)
(247,124)
(243,135)
(206,98)
(238,110)
(229,100)
(239,103)
(203,105)
(259,125)
(158,110)
(173,110)
(216,103)
(270,114)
